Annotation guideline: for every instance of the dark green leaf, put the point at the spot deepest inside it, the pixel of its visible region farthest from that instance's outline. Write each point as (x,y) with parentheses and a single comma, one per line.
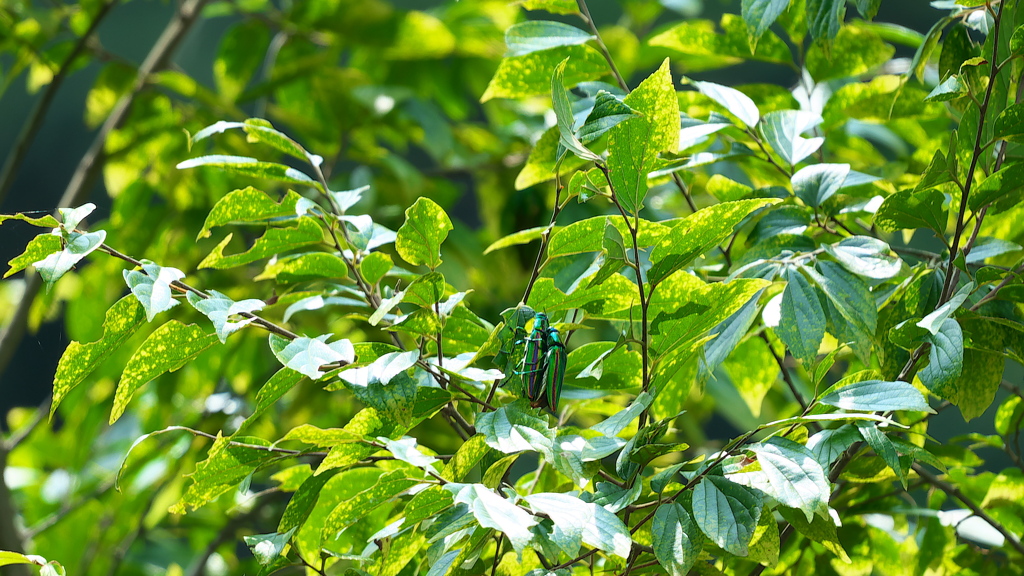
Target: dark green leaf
(727,512)
(608,111)
(677,540)
(802,321)
(1008,180)
(1010,123)
(880,443)
(759,16)
(848,293)
(824,18)
(909,209)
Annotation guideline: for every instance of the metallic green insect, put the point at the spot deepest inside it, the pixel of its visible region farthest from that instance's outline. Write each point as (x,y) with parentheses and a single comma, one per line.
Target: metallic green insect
(554,370)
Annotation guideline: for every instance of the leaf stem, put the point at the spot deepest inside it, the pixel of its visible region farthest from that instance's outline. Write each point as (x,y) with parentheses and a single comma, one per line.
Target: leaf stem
(585,11)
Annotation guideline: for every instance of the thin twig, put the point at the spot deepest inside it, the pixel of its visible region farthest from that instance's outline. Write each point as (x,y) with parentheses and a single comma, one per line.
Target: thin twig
(34,122)
(585,12)
(956,493)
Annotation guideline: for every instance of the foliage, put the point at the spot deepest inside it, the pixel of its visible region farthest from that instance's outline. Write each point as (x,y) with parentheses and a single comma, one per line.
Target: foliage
(347,379)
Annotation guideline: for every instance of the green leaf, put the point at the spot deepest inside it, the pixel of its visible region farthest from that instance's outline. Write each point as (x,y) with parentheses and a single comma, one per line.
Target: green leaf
(388,486)
(77,245)
(374,266)
(701,47)
(281,382)
(152,287)
(594,524)
(728,335)
(945,359)
(274,241)
(1010,123)
(949,89)
(876,396)
(493,511)
(855,51)
(8,558)
(225,467)
(698,233)
(419,239)
(633,145)
(829,444)
(540,166)
(975,389)
(308,267)
(735,102)
(308,355)
(46,221)
(260,130)
(795,478)
(552,6)
(802,321)
(517,238)
(817,183)
(727,512)
(167,349)
(824,18)
(536,35)
(759,16)
(782,129)
(248,205)
(588,235)
(848,293)
(1017,40)
(908,209)
(38,249)
(608,112)
(603,366)
(530,74)
(677,541)
(120,322)
(615,424)
(563,114)
(783,220)
(426,504)
(882,446)
(239,57)
(934,322)
(267,548)
(225,313)
(247,166)
(1008,180)
(866,256)
(818,529)
(511,429)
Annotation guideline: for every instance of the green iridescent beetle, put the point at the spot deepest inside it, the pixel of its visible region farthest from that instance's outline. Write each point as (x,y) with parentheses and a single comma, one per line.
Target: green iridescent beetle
(554,370)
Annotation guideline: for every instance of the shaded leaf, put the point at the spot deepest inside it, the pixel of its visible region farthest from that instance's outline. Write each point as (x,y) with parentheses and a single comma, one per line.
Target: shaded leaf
(419,239)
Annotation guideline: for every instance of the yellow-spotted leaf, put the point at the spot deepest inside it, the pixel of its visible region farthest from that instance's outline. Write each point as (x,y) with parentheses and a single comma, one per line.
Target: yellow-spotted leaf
(167,349)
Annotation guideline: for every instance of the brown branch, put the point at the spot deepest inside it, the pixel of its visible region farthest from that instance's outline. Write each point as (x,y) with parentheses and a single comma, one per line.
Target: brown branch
(956,493)
(34,122)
